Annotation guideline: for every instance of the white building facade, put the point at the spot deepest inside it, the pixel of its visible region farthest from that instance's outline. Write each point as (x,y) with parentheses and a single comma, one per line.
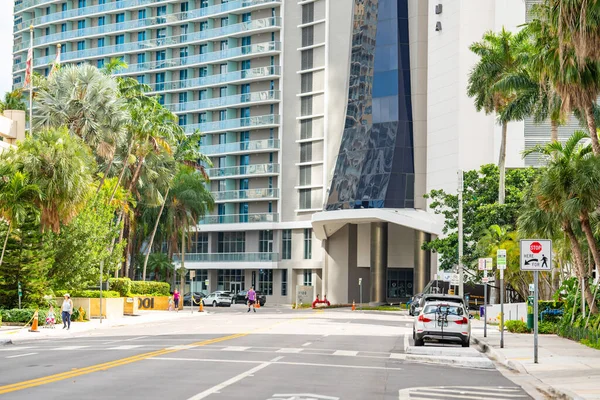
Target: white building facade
(326,120)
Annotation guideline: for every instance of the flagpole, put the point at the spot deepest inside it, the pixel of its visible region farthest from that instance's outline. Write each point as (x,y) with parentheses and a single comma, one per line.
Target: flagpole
(31,81)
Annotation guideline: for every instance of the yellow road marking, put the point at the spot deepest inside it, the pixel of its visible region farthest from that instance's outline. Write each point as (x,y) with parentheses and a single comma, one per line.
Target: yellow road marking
(107,365)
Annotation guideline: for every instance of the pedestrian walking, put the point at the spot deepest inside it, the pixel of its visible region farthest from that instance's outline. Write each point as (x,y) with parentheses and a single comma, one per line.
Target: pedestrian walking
(67,310)
(50,318)
(176,299)
(251,299)
(171,304)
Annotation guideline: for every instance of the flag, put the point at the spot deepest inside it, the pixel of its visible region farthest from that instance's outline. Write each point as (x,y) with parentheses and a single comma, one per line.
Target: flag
(28,68)
(56,64)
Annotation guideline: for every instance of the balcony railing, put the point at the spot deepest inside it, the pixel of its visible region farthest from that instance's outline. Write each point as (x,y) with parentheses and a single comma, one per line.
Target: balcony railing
(227,257)
(218,79)
(253,145)
(261,121)
(248,194)
(194,37)
(240,218)
(119,5)
(226,101)
(241,170)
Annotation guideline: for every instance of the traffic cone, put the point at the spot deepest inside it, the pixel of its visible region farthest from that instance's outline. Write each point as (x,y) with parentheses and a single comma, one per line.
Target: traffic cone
(34,326)
(257,304)
(353,306)
(201,308)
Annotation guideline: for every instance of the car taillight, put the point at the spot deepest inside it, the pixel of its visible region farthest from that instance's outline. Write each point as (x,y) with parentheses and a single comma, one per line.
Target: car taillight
(462,321)
(422,318)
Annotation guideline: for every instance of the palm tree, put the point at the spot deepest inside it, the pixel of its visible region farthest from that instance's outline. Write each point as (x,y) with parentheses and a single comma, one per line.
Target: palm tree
(62,166)
(17,197)
(13,101)
(499,57)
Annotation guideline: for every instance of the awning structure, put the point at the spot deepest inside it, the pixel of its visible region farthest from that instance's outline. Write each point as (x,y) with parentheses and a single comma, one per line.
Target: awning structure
(326,223)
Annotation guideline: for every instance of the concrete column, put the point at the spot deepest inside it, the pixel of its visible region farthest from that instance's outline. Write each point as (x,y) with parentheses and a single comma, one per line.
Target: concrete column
(379,262)
(422,271)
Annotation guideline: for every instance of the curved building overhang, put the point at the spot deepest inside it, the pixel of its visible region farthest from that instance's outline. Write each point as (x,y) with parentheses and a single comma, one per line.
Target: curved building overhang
(326,223)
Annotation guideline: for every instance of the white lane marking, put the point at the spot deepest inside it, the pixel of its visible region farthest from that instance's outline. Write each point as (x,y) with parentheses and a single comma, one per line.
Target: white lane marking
(345,353)
(126,347)
(204,360)
(135,338)
(307,395)
(405,342)
(235,348)
(289,350)
(229,382)
(67,348)
(15,348)
(21,355)
(306,344)
(181,347)
(339,366)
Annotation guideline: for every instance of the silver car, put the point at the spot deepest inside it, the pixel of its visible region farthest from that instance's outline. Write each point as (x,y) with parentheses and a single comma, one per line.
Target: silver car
(219,298)
(442,321)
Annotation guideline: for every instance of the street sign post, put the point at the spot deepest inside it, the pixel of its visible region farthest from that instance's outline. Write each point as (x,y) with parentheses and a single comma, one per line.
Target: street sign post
(501,265)
(485,264)
(192,287)
(536,255)
(360,288)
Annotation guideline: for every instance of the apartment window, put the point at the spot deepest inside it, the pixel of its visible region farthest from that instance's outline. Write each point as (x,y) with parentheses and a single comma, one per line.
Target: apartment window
(222,115)
(265,282)
(101,21)
(47,51)
(308,36)
(141,79)
(63,49)
(306,126)
(47,31)
(63,27)
(161,33)
(120,18)
(183,121)
(203,26)
(305,152)
(141,36)
(307,243)
(64,7)
(183,52)
(308,277)
(286,244)
(305,199)
(202,95)
(81,3)
(203,72)
(305,175)
(243,212)
(306,84)
(222,186)
(306,105)
(203,3)
(203,48)
(81,24)
(230,279)
(265,241)
(245,65)
(183,97)
(308,13)
(284,282)
(223,68)
(184,6)
(142,14)
(231,242)
(183,74)
(161,55)
(161,99)
(224,45)
(224,21)
(101,1)
(184,31)
(199,242)
(246,41)
(307,59)
(201,118)
(160,11)
(160,81)
(120,39)
(141,58)
(81,45)
(101,42)
(222,91)
(100,63)
(247,17)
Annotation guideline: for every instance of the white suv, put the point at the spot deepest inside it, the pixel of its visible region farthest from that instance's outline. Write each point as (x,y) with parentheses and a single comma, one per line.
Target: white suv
(442,321)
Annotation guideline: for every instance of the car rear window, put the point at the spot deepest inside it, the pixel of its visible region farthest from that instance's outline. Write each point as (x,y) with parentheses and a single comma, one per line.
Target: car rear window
(443,308)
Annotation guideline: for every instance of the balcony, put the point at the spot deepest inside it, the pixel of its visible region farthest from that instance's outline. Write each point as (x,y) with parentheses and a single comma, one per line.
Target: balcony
(238,100)
(227,257)
(240,218)
(232,125)
(246,195)
(210,34)
(255,146)
(224,8)
(219,79)
(243,170)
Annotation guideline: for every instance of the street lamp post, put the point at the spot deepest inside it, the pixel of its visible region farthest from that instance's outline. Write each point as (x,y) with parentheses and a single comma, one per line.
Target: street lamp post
(461,289)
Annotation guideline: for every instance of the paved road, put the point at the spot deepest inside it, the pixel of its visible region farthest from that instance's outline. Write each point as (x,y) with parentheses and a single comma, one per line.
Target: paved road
(275,353)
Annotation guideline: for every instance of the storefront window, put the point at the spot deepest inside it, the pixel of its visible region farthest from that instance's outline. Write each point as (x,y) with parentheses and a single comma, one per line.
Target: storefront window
(399,283)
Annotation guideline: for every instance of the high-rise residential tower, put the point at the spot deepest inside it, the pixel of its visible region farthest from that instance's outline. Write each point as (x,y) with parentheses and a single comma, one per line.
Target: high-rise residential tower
(326,121)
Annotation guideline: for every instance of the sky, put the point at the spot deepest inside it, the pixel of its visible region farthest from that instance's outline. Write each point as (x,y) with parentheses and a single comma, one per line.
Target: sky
(6,42)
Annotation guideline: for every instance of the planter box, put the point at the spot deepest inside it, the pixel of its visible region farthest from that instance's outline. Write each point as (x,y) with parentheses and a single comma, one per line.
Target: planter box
(112,308)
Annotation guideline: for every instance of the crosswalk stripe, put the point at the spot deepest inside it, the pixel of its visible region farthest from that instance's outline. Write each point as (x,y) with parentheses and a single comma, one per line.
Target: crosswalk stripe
(126,347)
(235,348)
(15,348)
(345,353)
(289,350)
(462,393)
(67,348)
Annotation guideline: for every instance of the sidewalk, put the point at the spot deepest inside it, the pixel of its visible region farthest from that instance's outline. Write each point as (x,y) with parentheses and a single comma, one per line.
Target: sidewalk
(565,369)
(17,334)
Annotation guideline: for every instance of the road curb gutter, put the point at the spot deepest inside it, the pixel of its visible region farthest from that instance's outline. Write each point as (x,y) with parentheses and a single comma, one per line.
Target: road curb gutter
(5,342)
(469,362)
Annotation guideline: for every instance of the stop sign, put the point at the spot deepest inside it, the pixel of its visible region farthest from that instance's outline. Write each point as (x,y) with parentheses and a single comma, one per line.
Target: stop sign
(535,247)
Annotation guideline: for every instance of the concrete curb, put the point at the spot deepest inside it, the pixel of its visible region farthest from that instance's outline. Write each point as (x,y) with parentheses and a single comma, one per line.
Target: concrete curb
(517,367)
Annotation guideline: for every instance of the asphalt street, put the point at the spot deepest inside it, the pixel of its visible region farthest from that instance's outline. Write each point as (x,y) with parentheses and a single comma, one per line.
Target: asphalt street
(228,353)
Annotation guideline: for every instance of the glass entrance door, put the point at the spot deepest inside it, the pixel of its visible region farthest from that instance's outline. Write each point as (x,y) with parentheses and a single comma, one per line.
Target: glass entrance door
(399,283)
(235,287)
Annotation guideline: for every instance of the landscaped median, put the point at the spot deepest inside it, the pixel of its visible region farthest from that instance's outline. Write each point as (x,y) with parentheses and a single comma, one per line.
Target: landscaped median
(142,295)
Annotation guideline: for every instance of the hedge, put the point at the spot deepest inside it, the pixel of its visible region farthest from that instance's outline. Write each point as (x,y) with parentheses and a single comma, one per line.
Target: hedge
(121,285)
(517,326)
(24,315)
(126,287)
(92,294)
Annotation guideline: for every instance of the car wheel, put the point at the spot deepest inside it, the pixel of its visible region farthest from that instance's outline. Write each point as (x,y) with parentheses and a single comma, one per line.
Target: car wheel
(419,342)
(466,343)
(214,303)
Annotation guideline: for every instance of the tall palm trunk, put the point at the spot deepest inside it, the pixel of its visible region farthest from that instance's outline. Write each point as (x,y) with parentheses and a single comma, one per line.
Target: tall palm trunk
(182,274)
(136,174)
(103,178)
(5,241)
(125,163)
(553,130)
(502,164)
(589,235)
(591,123)
(162,207)
(580,268)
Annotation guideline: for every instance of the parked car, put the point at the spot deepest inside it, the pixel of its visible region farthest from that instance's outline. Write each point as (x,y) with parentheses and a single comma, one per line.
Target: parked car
(215,299)
(414,303)
(442,320)
(425,298)
(197,297)
(240,298)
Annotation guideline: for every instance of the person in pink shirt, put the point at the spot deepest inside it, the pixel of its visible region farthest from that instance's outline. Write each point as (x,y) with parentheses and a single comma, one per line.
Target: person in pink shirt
(176,299)
(251,299)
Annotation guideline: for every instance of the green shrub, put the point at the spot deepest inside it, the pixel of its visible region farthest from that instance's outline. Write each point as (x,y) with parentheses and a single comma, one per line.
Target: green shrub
(23,315)
(0,320)
(93,294)
(121,285)
(547,327)
(517,327)
(150,288)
